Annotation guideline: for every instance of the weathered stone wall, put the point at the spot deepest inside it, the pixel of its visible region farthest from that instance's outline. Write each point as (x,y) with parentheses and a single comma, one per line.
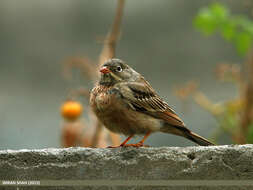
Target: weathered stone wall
(165,163)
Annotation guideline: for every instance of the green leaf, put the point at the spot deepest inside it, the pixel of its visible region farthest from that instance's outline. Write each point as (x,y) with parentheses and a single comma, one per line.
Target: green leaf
(205,22)
(228,30)
(219,11)
(245,24)
(210,18)
(243,42)
(236,29)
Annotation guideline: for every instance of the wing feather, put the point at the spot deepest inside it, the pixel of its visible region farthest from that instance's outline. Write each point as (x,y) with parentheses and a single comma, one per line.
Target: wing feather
(142,97)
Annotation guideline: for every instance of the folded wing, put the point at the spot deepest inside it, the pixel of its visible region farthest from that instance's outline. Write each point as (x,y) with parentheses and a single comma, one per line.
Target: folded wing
(141,97)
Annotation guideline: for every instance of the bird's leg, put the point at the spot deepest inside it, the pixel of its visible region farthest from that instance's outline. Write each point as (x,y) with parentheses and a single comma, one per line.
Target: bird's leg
(122,144)
(125,141)
(140,144)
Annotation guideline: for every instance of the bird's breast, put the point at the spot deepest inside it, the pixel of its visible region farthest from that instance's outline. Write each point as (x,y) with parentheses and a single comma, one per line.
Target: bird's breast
(117,116)
(100,99)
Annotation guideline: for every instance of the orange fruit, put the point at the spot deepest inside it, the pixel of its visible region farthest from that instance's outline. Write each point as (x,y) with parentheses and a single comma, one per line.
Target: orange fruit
(71,110)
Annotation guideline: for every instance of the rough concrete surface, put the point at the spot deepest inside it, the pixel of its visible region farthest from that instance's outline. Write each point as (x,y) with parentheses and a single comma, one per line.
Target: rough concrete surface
(230,162)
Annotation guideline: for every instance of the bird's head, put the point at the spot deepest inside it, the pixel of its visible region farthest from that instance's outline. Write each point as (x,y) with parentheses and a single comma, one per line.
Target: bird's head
(114,71)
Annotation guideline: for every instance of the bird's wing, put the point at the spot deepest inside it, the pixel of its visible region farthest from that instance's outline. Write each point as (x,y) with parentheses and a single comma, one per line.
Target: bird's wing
(141,97)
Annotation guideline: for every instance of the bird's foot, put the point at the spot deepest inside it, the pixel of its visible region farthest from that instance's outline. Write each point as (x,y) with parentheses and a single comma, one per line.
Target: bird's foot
(139,144)
(114,146)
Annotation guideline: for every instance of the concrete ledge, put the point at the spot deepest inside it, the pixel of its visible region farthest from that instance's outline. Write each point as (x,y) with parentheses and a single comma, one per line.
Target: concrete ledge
(232,162)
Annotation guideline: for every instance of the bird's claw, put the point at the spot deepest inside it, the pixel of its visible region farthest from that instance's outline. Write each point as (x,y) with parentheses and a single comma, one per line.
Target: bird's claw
(139,144)
(113,146)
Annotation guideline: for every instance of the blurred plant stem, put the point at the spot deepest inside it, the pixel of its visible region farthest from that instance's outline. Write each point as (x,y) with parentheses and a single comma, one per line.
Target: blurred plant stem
(108,52)
(109,48)
(86,66)
(247,111)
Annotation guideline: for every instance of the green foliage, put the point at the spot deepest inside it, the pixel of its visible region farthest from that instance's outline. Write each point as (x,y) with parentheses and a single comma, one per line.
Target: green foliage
(235,29)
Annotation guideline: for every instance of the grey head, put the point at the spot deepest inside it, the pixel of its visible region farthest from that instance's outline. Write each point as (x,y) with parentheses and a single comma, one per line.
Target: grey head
(115,70)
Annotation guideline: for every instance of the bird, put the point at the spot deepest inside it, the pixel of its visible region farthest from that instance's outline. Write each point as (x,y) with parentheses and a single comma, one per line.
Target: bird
(125,103)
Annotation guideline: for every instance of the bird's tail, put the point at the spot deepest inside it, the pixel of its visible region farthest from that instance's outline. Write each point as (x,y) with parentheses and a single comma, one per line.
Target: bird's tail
(184,132)
(197,139)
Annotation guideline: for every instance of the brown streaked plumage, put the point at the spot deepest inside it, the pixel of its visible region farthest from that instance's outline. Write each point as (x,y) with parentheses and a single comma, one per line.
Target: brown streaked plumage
(127,104)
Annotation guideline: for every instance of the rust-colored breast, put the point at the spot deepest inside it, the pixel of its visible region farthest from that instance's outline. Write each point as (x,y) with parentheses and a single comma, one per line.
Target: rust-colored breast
(100,99)
(106,107)
(117,116)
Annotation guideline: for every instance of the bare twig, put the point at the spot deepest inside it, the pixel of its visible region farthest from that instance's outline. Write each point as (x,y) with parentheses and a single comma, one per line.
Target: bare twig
(204,102)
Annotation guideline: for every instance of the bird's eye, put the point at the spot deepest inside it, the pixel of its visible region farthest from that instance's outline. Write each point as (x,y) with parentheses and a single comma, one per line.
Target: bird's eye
(119,69)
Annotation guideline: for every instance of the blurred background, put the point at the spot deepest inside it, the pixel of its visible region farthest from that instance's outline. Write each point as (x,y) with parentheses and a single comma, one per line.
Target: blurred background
(158,39)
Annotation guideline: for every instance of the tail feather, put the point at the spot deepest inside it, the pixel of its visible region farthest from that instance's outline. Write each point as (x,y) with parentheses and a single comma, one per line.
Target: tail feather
(184,132)
(197,139)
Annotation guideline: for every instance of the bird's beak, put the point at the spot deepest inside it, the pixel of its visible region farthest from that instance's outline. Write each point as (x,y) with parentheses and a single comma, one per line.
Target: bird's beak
(104,70)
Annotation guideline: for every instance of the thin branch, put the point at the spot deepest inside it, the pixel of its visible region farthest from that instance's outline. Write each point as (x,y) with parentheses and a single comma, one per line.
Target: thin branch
(204,102)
